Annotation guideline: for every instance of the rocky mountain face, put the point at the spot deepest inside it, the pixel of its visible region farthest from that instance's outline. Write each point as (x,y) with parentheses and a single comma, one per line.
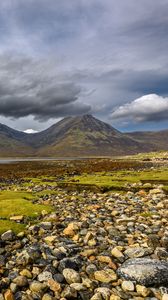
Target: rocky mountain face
(79,136)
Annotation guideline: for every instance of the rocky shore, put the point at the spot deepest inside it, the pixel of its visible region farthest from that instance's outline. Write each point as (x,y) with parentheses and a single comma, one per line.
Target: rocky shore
(93,246)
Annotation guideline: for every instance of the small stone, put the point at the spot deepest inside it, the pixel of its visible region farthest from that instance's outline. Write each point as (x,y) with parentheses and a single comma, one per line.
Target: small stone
(117,253)
(44,276)
(105,276)
(69,293)
(137,252)
(104,259)
(78,286)
(54,286)
(70,229)
(13,287)
(36,286)
(105,292)
(26,273)
(46,225)
(127,286)
(71,276)
(17,218)
(8,235)
(97,296)
(115,297)
(21,281)
(8,295)
(50,239)
(142,290)
(69,263)
(47,297)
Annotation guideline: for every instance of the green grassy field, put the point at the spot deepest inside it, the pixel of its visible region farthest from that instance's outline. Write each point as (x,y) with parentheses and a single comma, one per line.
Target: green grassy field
(119,179)
(18,203)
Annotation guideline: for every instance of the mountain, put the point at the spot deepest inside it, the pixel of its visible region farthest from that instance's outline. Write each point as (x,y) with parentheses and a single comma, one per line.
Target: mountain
(155,140)
(79,136)
(12,143)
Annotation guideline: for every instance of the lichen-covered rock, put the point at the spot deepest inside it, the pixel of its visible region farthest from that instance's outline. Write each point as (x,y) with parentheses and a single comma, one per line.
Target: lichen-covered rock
(148,272)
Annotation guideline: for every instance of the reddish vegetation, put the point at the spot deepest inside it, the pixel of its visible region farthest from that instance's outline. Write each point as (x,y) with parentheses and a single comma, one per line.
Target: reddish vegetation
(59,168)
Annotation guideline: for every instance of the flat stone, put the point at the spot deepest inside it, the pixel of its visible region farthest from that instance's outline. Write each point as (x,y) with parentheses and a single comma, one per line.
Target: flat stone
(105,276)
(78,286)
(138,252)
(17,218)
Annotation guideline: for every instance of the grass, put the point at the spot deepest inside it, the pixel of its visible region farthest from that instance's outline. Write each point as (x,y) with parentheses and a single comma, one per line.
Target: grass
(18,203)
(9,225)
(119,179)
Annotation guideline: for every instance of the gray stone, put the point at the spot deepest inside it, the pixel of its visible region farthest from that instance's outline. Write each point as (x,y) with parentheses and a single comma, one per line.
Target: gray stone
(148,272)
(45,276)
(8,235)
(138,252)
(71,276)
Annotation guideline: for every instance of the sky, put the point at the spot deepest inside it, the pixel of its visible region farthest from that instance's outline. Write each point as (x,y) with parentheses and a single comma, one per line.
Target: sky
(107,58)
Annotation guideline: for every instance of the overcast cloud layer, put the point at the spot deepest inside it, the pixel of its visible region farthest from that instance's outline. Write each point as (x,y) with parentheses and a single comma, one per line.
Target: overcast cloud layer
(72,57)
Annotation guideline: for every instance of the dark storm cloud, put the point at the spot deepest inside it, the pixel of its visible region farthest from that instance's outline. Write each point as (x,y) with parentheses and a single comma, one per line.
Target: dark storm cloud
(25,90)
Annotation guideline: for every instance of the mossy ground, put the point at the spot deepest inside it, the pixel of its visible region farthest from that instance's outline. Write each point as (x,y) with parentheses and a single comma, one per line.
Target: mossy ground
(18,203)
(119,179)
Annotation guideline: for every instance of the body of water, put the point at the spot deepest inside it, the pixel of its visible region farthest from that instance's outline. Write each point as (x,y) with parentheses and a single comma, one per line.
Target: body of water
(13,160)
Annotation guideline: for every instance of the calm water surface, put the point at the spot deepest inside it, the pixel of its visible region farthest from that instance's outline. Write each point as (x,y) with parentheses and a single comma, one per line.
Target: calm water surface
(12,160)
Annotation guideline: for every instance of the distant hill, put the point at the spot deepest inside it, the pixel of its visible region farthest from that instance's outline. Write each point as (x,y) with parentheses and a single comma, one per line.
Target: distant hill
(154,140)
(12,143)
(79,136)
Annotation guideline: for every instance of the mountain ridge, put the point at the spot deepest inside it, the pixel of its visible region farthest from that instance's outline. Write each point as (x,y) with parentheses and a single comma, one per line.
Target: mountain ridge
(79,136)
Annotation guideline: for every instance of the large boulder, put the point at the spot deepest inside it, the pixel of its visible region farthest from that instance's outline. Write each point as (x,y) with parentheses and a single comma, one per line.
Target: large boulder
(145,271)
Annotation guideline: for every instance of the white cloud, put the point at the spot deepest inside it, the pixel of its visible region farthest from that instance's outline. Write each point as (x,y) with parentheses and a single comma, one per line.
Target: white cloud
(147,108)
(30,131)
